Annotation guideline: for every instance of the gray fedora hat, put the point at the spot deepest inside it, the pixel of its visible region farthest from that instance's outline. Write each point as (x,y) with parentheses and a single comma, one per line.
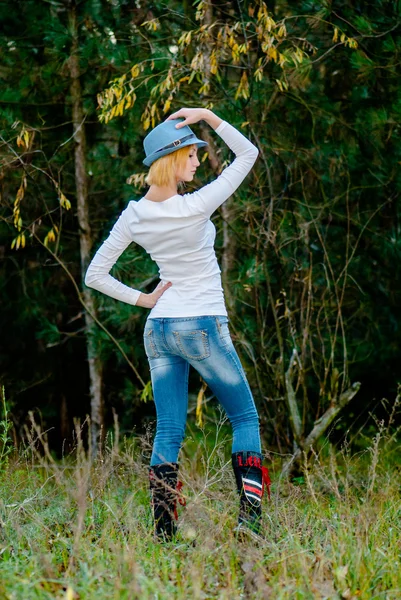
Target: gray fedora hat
(165,138)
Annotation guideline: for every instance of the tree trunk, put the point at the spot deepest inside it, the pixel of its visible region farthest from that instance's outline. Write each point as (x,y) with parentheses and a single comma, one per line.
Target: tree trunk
(85,236)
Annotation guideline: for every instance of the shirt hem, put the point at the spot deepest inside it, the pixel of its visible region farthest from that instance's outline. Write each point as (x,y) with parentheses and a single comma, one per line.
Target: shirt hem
(220,312)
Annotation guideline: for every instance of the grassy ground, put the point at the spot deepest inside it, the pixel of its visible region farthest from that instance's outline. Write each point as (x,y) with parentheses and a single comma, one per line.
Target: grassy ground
(69,530)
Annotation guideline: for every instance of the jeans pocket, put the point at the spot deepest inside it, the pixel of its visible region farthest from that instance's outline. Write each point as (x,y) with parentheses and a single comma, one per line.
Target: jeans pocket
(150,345)
(193,345)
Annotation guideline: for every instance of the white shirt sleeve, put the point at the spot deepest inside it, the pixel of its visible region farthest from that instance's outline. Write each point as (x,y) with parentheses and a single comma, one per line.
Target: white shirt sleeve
(208,198)
(98,277)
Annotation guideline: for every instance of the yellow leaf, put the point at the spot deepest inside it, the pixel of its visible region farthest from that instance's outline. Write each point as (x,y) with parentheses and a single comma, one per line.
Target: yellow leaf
(282,31)
(204,89)
(243,88)
(167,105)
(335,35)
(49,238)
(258,74)
(64,202)
(117,92)
(185,38)
(199,415)
(135,71)
(120,107)
(281,59)
(70,594)
(23,240)
(272,53)
(244,124)
(26,138)
(151,25)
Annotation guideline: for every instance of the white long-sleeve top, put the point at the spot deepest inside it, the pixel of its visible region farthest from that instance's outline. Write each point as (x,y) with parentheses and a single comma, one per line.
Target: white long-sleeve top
(179,236)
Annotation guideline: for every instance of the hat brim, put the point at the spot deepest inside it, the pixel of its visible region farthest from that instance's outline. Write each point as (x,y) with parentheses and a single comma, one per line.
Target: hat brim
(156,155)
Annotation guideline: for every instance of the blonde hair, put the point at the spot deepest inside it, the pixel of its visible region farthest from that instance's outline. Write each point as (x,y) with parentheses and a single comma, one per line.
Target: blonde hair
(162,171)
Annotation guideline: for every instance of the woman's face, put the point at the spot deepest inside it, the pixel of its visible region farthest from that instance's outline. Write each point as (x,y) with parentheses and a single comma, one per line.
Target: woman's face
(187,173)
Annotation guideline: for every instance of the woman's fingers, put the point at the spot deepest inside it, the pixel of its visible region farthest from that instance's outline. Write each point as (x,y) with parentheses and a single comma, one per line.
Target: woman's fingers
(175,115)
(161,288)
(191,115)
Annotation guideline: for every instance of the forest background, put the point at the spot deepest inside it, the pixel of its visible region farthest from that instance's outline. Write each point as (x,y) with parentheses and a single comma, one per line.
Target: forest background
(309,245)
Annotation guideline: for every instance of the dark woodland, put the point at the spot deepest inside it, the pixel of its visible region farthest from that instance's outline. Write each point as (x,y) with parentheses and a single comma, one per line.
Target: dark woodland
(309,246)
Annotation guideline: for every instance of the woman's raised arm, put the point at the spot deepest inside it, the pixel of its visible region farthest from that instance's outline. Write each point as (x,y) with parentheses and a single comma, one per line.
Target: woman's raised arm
(208,198)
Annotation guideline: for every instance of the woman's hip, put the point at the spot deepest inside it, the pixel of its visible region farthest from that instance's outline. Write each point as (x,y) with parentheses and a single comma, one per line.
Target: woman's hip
(193,338)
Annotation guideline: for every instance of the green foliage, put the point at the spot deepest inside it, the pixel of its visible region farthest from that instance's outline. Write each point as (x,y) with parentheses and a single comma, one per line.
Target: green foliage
(314,229)
(75,529)
(6,446)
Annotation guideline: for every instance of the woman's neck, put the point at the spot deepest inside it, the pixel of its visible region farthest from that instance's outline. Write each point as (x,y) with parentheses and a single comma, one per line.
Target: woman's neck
(158,193)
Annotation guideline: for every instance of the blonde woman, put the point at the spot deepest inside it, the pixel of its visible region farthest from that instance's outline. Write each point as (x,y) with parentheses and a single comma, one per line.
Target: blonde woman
(188,324)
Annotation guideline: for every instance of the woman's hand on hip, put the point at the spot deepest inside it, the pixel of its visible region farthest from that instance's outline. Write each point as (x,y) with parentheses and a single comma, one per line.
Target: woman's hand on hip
(149,300)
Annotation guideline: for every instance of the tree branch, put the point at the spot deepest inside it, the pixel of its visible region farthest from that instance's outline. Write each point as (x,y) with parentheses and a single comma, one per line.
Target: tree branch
(320,426)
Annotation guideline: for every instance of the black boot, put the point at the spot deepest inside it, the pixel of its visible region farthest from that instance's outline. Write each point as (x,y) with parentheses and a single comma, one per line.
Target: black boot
(164,490)
(251,478)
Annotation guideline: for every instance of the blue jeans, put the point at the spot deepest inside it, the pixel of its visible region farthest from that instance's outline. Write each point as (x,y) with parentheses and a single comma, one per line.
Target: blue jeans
(172,345)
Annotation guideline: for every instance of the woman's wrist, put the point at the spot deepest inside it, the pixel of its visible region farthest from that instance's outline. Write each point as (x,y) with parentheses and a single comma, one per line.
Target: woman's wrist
(211,119)
(144,301)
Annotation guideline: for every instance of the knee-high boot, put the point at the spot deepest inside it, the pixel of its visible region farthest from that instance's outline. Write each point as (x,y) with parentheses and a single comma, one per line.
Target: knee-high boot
(251,478)
(164,491)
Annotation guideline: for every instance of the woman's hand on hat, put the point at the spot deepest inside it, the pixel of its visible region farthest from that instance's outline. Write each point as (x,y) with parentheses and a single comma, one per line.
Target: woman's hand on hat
(191,115)
(149,300)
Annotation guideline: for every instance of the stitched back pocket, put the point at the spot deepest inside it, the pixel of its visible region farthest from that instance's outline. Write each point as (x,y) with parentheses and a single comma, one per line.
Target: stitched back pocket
(150,345)
(193,345)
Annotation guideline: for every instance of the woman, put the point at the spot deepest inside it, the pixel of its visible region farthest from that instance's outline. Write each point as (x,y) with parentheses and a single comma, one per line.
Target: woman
(188,322)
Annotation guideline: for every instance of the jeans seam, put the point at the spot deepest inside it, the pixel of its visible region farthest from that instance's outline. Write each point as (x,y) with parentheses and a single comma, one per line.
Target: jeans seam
(152,344)
(221,338)
(162,332)
(243,377)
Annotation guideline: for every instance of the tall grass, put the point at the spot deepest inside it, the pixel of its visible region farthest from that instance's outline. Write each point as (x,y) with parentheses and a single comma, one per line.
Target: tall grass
(71,529)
